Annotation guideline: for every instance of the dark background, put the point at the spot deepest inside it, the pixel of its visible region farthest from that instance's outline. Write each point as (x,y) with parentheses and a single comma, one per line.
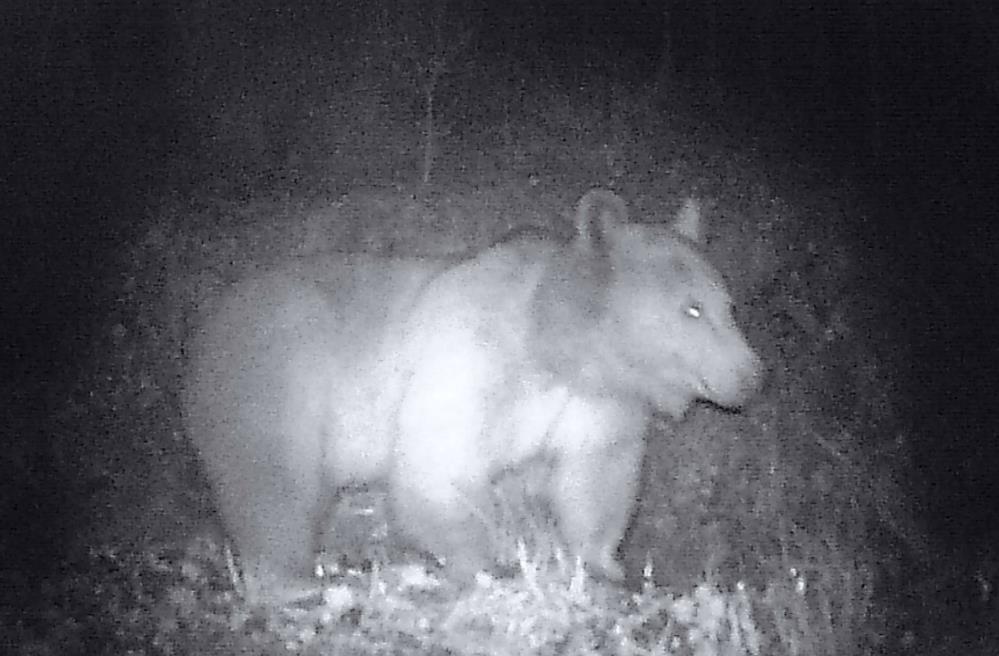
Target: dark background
(898,98)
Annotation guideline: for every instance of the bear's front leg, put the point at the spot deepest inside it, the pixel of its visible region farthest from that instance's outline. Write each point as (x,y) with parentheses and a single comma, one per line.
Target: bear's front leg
(448,518)
(440,477)
(595,482)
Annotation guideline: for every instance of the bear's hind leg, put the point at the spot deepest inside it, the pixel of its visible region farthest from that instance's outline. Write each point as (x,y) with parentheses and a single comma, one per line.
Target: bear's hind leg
(273,517)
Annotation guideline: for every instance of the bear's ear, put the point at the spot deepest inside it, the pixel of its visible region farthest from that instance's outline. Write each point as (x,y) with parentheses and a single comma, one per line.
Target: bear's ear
(688,221)
(596,213)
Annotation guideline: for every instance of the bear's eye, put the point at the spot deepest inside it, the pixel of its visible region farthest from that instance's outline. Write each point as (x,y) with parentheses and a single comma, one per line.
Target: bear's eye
(693,310)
